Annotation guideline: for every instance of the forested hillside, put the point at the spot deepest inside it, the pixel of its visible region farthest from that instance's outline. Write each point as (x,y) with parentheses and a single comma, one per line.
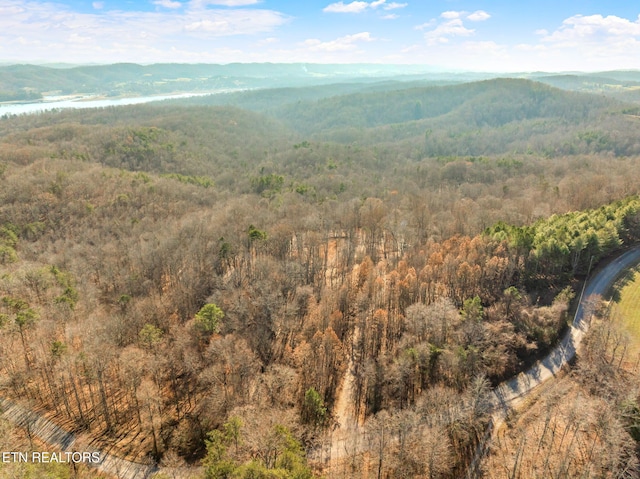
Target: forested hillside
(227,287)
(31,82)
(491,117)
(491,103)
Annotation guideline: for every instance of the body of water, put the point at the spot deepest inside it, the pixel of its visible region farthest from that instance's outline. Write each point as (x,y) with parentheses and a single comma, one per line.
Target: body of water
(86,102)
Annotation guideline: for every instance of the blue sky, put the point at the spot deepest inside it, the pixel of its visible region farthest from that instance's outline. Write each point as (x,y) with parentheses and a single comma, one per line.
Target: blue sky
(488,35)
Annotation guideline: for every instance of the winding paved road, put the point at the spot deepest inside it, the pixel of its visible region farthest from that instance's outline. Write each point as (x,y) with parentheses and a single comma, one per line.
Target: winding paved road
(50,433)
(564,352)
(509,392)
(501,397)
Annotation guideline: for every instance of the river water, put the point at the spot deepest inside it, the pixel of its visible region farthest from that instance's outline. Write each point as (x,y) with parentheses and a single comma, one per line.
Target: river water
(52,103)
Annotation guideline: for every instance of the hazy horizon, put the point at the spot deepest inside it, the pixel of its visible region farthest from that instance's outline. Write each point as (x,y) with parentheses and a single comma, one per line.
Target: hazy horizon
(451,35)
(416,67)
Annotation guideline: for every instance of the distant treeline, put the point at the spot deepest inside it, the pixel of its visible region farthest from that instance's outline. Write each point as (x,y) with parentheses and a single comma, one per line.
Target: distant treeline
(20,96)
(201,281)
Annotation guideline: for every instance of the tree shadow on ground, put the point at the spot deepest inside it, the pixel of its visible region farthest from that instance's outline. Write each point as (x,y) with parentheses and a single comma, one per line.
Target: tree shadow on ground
(626,278)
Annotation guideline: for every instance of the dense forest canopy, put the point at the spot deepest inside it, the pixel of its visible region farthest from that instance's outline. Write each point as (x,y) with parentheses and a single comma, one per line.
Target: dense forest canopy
(226,285)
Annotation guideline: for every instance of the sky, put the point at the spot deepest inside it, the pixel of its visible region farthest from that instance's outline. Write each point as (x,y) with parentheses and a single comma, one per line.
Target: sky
(482,35)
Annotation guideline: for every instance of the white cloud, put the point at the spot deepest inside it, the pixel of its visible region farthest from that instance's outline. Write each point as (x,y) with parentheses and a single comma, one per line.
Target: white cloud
(425,25)
(75,38)
(348,42)
(226,3)
(450,15)
(11,9)
(479,16)
(267,41)
(359,7)
(394,5)
(213,26)
(530,48)
(446,30)
(220,23)
(412,48)
(229,52)
(462,55)
(485,49)
(57,33)
(451,26)
(213,31)
(594,28)
(455,42)
(593,42)
(588,43)
(167,4)
(340,7)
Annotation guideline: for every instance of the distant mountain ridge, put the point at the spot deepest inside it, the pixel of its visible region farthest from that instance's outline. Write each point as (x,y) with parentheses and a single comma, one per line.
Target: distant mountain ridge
(130,78)
(28,82)
(486,103)
(489,117)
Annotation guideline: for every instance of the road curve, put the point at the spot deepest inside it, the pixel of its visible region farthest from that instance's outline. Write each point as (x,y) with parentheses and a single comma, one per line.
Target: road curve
(507,393)
(564,352)
(502,396)
(50,433)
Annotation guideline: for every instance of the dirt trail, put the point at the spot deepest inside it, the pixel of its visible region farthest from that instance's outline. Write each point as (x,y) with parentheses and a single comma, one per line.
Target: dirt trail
(348,438)
(349,432)
(344,409)
(344,412)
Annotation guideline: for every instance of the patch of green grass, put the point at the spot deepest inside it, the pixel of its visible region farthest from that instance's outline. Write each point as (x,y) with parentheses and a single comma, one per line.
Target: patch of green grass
(627,309)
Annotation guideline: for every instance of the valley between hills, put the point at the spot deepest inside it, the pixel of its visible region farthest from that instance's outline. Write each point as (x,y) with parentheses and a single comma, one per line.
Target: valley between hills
(222,286)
